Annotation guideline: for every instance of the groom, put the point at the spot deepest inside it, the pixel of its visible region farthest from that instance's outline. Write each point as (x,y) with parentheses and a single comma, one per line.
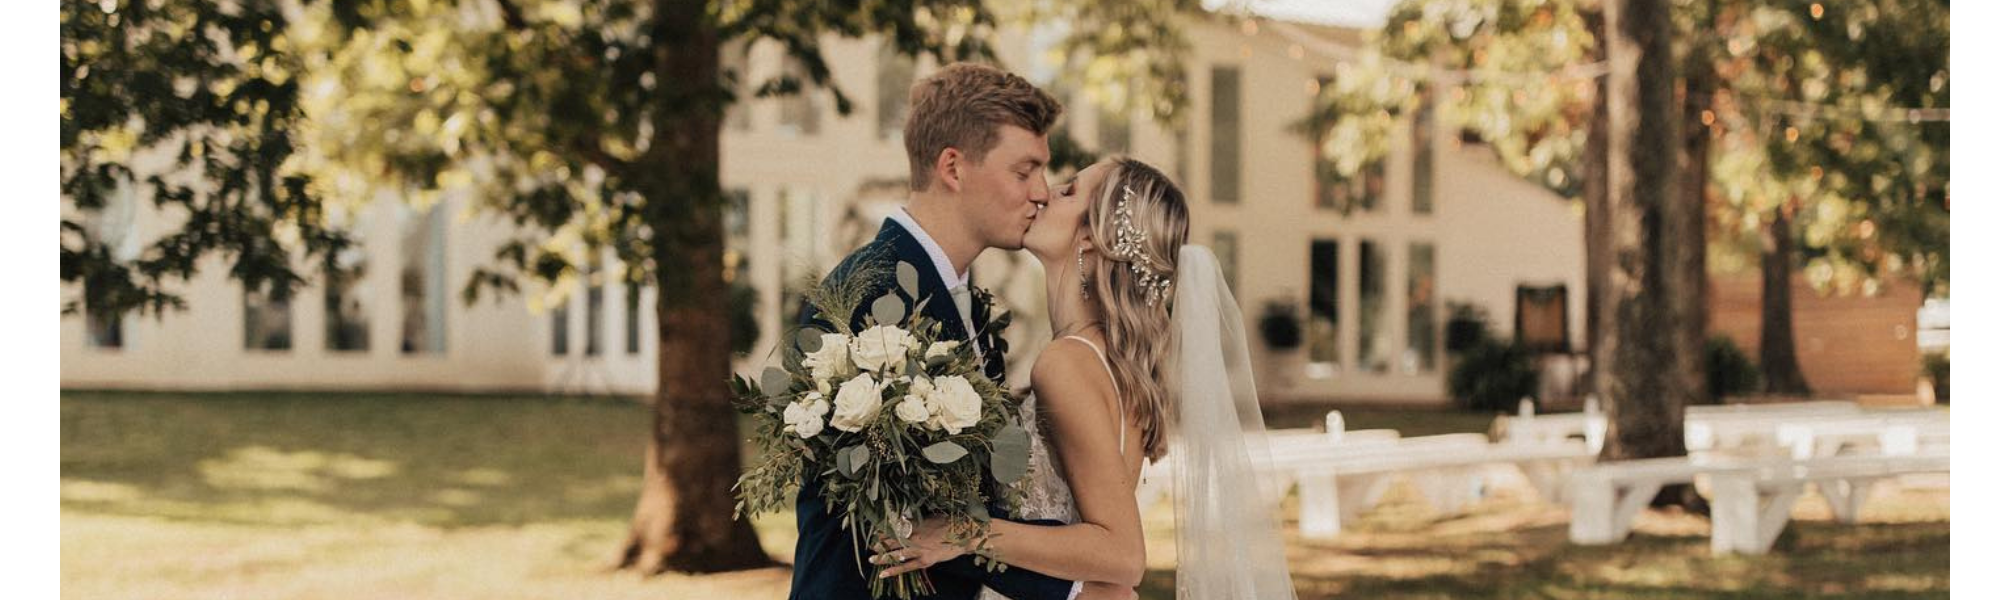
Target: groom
(978,143)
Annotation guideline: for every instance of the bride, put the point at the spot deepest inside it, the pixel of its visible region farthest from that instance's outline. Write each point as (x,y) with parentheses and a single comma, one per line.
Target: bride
(1149,363)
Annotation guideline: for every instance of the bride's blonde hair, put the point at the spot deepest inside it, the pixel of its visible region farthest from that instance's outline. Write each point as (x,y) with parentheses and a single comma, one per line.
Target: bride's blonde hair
(1131,275)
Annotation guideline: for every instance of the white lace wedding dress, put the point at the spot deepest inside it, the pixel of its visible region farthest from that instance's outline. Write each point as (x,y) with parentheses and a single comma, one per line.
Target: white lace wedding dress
(1047,493)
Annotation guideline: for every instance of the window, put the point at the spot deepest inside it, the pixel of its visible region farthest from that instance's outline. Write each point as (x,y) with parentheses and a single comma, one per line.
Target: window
(736,63)
(1181,154)
(422,281)
(1226,256)
(632,317)
(798,112)
(593,313)
(736,228)
(346,314)
(267,320)
(106,331)
(1323,320)
(1114,130)
(1422,179)
(894,75)
(1374,352)
(1420,354)
(1225,141)
(798,234)
(559,329)
(1363,191)
(114,226)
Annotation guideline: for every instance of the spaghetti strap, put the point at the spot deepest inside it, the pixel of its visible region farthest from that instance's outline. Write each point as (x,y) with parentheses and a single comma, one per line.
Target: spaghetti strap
(1120,397)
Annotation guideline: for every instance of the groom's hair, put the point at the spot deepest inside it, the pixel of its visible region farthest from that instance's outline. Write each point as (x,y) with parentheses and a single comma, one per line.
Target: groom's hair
(963,107)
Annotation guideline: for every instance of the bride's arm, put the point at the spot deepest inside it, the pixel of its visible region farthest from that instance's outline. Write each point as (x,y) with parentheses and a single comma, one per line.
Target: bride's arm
(1108,545)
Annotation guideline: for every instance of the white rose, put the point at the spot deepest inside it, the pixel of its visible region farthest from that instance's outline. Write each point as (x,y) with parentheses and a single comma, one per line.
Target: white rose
(883,349)
(911,410)
(859,400)
(831,360)
(807,418)
(940,349)
(957,404)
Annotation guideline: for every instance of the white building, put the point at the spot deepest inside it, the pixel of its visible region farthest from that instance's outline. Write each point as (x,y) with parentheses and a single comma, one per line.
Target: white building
(1447,223)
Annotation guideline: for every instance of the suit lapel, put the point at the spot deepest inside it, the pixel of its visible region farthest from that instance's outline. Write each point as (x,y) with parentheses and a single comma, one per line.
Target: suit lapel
(941,307)
(930,286)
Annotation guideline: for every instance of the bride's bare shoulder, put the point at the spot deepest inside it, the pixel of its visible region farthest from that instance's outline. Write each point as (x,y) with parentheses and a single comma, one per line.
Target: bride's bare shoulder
(1068,369)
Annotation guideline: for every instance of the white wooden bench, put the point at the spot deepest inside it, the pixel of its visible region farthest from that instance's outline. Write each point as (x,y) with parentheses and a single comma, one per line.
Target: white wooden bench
(1751,499)
(1752,505)
(1757,435)
(1156,478)
(1338,487)
(1895,435)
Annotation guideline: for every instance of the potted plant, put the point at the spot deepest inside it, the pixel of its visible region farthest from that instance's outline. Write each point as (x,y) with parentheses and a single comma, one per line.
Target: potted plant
(1283,334)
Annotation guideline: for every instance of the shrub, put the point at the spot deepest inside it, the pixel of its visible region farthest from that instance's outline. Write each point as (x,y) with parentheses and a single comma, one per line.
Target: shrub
(1493,375)
(1730,371)
(1938,366)
(1280,325)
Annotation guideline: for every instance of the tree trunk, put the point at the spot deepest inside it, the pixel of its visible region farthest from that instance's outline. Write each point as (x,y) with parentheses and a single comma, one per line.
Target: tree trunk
(1777,354)
(1649,288)
(684,520)
(1689,255)
(1596,231)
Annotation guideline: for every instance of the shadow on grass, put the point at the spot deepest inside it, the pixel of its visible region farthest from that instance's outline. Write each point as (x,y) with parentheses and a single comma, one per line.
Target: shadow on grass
(1813,560)
(291,458)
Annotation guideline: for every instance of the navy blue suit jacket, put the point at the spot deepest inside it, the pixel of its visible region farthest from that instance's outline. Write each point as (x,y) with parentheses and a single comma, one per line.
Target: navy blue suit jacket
(824,562)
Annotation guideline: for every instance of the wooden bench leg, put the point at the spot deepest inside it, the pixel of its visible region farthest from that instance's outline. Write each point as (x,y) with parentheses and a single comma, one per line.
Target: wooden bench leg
(1548,477)
(1358,493)
(1602,512)
(1747,519)
(1319,506)
(1445,489)
(1845,497)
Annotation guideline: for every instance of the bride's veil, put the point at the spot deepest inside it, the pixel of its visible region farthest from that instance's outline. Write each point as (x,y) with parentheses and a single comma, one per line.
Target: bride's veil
(1227,537)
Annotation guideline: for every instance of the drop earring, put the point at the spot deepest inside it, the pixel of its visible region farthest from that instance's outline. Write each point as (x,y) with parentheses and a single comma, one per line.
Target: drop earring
(1080,277)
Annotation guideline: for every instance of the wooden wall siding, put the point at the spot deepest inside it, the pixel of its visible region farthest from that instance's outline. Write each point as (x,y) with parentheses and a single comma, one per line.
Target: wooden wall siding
(1846,345)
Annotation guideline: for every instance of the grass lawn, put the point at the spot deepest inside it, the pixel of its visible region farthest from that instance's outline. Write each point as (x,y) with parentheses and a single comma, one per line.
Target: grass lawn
(292,495)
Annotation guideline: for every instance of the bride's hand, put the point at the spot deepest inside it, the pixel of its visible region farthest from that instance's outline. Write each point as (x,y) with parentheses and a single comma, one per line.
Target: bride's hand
(926,547)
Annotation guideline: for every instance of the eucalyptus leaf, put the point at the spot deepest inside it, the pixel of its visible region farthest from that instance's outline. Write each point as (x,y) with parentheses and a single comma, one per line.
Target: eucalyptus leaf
(889,310)
(977,509)
(776,381)
(1010,454)
(808,339)
(844,459)
(860,458)
(944,453)
(906,276)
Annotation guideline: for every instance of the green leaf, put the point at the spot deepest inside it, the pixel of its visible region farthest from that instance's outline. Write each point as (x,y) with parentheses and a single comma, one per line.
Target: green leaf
(1010,454)
(906,276)
(977,509)
(944,453)
(776,381)
(889,310)
(808,339)
(860,458)
(844,460)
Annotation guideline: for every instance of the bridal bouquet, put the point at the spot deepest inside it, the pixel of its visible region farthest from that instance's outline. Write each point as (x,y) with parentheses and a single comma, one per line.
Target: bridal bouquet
(894,423)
